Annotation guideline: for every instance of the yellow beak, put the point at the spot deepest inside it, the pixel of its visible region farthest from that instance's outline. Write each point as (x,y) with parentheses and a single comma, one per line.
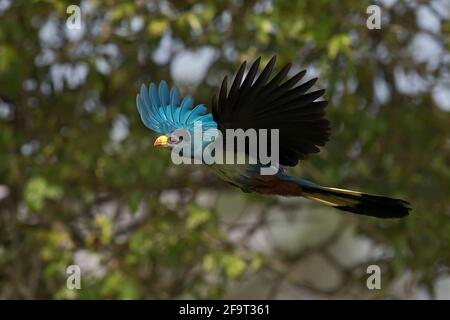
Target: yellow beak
(161,141)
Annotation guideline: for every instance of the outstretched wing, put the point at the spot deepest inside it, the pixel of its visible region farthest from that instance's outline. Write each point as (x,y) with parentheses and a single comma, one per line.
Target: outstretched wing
(255,102)
(163,111)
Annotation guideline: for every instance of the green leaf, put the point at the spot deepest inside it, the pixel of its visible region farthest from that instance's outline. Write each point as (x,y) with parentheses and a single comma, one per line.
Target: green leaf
(233,265)
(38,190)
(338,44)
(197,217)
(105,225)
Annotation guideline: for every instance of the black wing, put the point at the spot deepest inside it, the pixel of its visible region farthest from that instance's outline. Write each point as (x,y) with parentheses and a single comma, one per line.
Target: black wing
(255,102)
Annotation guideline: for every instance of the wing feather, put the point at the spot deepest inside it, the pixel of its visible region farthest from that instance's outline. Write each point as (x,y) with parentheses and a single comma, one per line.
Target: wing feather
(161,111)
(259,102)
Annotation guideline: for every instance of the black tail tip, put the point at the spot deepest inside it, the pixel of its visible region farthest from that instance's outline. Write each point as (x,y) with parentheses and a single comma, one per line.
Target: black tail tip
(379,207)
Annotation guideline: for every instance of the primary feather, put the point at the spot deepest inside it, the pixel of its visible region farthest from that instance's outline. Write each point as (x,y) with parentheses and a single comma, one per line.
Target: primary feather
(255,102)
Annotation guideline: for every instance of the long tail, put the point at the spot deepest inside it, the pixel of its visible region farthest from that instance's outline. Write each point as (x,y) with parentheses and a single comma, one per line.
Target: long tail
(351,201)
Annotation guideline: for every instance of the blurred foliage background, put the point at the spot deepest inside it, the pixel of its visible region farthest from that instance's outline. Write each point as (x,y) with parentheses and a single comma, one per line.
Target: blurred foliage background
(81,184)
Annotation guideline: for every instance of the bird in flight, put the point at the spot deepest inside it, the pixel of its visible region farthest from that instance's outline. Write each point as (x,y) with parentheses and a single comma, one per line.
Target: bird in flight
(259,101)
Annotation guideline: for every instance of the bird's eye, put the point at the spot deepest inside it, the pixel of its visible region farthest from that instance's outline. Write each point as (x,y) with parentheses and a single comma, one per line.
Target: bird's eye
(173,139)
